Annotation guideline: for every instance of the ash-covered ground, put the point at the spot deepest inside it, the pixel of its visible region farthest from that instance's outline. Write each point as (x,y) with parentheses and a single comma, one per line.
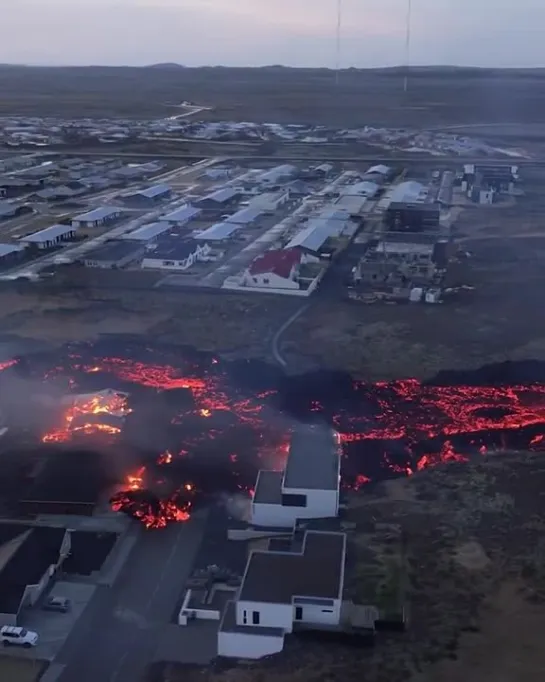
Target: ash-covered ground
(195,428)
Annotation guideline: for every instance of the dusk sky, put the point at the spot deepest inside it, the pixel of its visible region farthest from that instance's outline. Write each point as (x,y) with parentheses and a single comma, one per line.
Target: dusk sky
(257,32)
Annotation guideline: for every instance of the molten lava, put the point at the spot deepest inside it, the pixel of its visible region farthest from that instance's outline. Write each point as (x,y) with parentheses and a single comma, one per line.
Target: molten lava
(153,511)
(386,428)
(77,417)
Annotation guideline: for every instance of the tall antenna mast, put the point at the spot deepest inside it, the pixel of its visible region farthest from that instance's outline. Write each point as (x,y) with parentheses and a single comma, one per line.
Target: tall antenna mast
(407,46)
(338,41)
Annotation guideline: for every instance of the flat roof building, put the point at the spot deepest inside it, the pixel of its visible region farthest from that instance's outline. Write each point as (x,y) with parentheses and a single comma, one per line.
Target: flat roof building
(113,255)
(309,485)
(301,584)
(149,232)
(149,195)
(49,237)
(175,254)
(182,215)
(98,216)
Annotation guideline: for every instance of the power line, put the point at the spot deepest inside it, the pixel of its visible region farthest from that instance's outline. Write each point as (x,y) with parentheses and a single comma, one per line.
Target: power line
(338,41)
(408,46)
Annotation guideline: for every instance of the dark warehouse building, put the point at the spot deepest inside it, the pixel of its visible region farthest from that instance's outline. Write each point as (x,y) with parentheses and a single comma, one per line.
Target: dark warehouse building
(412,217)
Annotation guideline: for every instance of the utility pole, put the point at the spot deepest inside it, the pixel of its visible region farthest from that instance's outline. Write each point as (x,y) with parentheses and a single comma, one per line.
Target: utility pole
(338,41)
(407,46)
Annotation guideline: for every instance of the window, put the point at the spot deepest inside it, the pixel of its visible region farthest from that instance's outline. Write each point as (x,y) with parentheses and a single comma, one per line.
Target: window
(245,617)
(266,280)
(327,610)
(255,617)
(294,500)
(168,262)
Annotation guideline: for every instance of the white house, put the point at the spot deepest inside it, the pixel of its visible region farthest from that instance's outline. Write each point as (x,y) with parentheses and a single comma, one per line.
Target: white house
(275,269)
(301,584)
(175,254)
(308,488)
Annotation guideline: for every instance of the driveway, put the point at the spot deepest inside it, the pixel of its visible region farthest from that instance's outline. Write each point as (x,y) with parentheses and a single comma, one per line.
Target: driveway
(122,627)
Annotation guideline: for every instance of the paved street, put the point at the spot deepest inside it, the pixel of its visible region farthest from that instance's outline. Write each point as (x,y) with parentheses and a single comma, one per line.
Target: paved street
(119,632)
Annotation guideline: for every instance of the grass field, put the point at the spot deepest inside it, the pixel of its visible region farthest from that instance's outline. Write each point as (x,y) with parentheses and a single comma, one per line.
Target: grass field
(436,95)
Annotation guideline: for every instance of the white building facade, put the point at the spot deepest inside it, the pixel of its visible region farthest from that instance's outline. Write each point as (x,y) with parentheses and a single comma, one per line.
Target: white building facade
(283,588)
(308,488)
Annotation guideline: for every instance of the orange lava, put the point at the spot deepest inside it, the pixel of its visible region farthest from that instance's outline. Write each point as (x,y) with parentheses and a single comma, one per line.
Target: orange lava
(104,403)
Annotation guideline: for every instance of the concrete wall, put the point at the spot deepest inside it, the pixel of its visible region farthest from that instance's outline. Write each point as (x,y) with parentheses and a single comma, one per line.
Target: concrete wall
(314,614)
(186,614)
(239,645)
(321,504)
(274,515)
(8,618)
(270,615)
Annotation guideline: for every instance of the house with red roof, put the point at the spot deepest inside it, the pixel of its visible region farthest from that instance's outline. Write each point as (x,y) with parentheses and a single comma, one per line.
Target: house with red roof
(275,269)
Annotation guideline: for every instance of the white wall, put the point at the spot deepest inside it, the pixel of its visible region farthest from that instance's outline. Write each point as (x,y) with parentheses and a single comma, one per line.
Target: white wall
(314,614)
(270,615)
(321,504)
(270,280)
(272,515)
(242,645)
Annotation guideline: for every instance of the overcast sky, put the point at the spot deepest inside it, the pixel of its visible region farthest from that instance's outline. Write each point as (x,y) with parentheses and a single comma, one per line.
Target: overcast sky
(257,32)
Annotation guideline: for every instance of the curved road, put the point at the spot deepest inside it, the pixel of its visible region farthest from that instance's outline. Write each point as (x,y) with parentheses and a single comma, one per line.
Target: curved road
(276,338)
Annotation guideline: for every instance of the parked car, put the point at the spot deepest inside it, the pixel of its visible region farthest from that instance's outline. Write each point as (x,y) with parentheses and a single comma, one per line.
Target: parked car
(59,604)
(11,635)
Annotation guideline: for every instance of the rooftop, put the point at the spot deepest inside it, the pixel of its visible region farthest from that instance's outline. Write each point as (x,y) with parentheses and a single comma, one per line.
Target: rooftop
(220,195)
(312,237)
(173,249)
(268,489)
(244,216)
(313,459)
(112,251)
(152,192)
(278,261)
(147,232)
(26,552)
(316,572)
(219,231)
(48,234)
(6,249)
(98,214)
(182,214)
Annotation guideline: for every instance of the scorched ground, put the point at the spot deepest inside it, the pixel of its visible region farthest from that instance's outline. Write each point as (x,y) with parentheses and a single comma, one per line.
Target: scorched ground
(214,424)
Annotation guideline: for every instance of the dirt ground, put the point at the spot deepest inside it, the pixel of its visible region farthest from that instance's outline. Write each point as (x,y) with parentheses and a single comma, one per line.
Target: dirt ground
(234,325)
(436,95)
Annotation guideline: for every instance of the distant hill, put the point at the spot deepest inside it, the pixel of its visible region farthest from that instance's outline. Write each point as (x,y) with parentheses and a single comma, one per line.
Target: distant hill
(167,65)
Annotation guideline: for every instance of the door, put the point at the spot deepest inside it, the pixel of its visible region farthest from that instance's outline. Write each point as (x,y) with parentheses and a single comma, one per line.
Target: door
(298,613)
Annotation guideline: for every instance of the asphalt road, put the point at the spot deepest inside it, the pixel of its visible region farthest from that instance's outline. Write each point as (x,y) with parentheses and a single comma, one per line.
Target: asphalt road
(118,633)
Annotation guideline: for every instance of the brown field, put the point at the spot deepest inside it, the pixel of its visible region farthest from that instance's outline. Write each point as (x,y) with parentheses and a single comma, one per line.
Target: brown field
(436,95)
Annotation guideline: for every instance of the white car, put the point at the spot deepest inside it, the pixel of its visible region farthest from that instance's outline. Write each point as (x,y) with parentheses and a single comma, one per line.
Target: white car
(11,635)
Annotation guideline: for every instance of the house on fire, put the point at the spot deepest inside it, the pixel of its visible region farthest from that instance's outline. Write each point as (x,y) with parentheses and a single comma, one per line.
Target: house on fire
(29,558)
(308,488)
(285,587)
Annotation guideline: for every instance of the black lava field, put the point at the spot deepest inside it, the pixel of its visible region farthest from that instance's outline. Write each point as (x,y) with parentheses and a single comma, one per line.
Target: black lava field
(199,426)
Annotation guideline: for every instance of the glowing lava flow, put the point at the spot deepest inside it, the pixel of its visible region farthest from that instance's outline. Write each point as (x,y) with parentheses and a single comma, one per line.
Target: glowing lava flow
(386,428)
(85,413)
(151,509)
